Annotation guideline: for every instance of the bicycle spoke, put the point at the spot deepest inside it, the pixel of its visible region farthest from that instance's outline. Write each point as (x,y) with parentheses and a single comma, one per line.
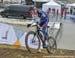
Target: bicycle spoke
(52,45)
(32,42)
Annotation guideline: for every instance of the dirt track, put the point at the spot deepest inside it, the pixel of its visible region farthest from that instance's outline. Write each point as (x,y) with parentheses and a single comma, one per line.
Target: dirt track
(18,52)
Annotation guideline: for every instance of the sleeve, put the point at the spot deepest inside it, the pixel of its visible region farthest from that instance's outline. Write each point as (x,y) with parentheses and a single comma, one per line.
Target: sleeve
(43,15)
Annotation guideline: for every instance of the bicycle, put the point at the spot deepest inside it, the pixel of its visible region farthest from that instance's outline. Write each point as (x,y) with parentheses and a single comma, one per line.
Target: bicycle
(37,41)
(58,28)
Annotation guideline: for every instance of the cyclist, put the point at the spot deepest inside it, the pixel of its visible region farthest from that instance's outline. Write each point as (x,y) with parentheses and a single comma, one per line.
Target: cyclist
(42,22)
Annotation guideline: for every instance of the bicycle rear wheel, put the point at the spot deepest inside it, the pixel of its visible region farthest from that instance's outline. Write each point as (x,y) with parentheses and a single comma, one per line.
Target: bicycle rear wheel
(52,46)
(32,42)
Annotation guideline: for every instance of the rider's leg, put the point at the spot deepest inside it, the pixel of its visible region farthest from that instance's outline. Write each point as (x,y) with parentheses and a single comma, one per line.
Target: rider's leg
(44,30)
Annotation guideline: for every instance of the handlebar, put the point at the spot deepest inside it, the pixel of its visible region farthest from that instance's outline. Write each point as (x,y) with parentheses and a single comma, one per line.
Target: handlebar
(35,24)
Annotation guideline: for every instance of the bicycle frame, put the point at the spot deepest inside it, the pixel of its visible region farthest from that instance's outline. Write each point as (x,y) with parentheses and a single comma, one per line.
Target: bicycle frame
(40,33)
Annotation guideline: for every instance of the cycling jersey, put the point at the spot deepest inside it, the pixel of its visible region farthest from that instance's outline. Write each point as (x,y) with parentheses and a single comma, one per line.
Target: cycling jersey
(43,18)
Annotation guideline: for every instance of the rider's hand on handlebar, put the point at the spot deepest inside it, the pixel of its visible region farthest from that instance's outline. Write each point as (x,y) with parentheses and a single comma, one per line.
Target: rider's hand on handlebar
(28,25)
(38,26)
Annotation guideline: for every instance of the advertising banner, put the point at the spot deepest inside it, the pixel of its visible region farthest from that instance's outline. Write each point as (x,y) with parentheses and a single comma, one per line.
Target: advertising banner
(7,34)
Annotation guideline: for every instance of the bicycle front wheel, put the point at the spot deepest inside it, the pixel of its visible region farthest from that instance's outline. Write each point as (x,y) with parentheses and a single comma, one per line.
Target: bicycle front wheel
(52,46)
(32,42)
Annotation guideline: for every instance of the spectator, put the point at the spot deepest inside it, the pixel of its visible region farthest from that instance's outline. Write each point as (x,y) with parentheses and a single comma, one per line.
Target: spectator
(53,12)
(62,12)
(49,12)
(71,11)
(57,14)
(65,12)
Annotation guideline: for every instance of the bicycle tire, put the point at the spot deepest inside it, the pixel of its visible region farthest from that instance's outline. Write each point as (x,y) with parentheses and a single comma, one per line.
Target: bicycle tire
(51,48)
(59,33)
(32,50)
(61,30)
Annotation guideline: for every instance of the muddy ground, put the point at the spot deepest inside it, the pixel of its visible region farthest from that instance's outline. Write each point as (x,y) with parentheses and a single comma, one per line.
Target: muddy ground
(7,51)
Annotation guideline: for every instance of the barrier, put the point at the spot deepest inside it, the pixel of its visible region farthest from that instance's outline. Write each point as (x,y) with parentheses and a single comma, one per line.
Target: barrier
(7,34)
(19,34)
(13,36)
(22,39)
